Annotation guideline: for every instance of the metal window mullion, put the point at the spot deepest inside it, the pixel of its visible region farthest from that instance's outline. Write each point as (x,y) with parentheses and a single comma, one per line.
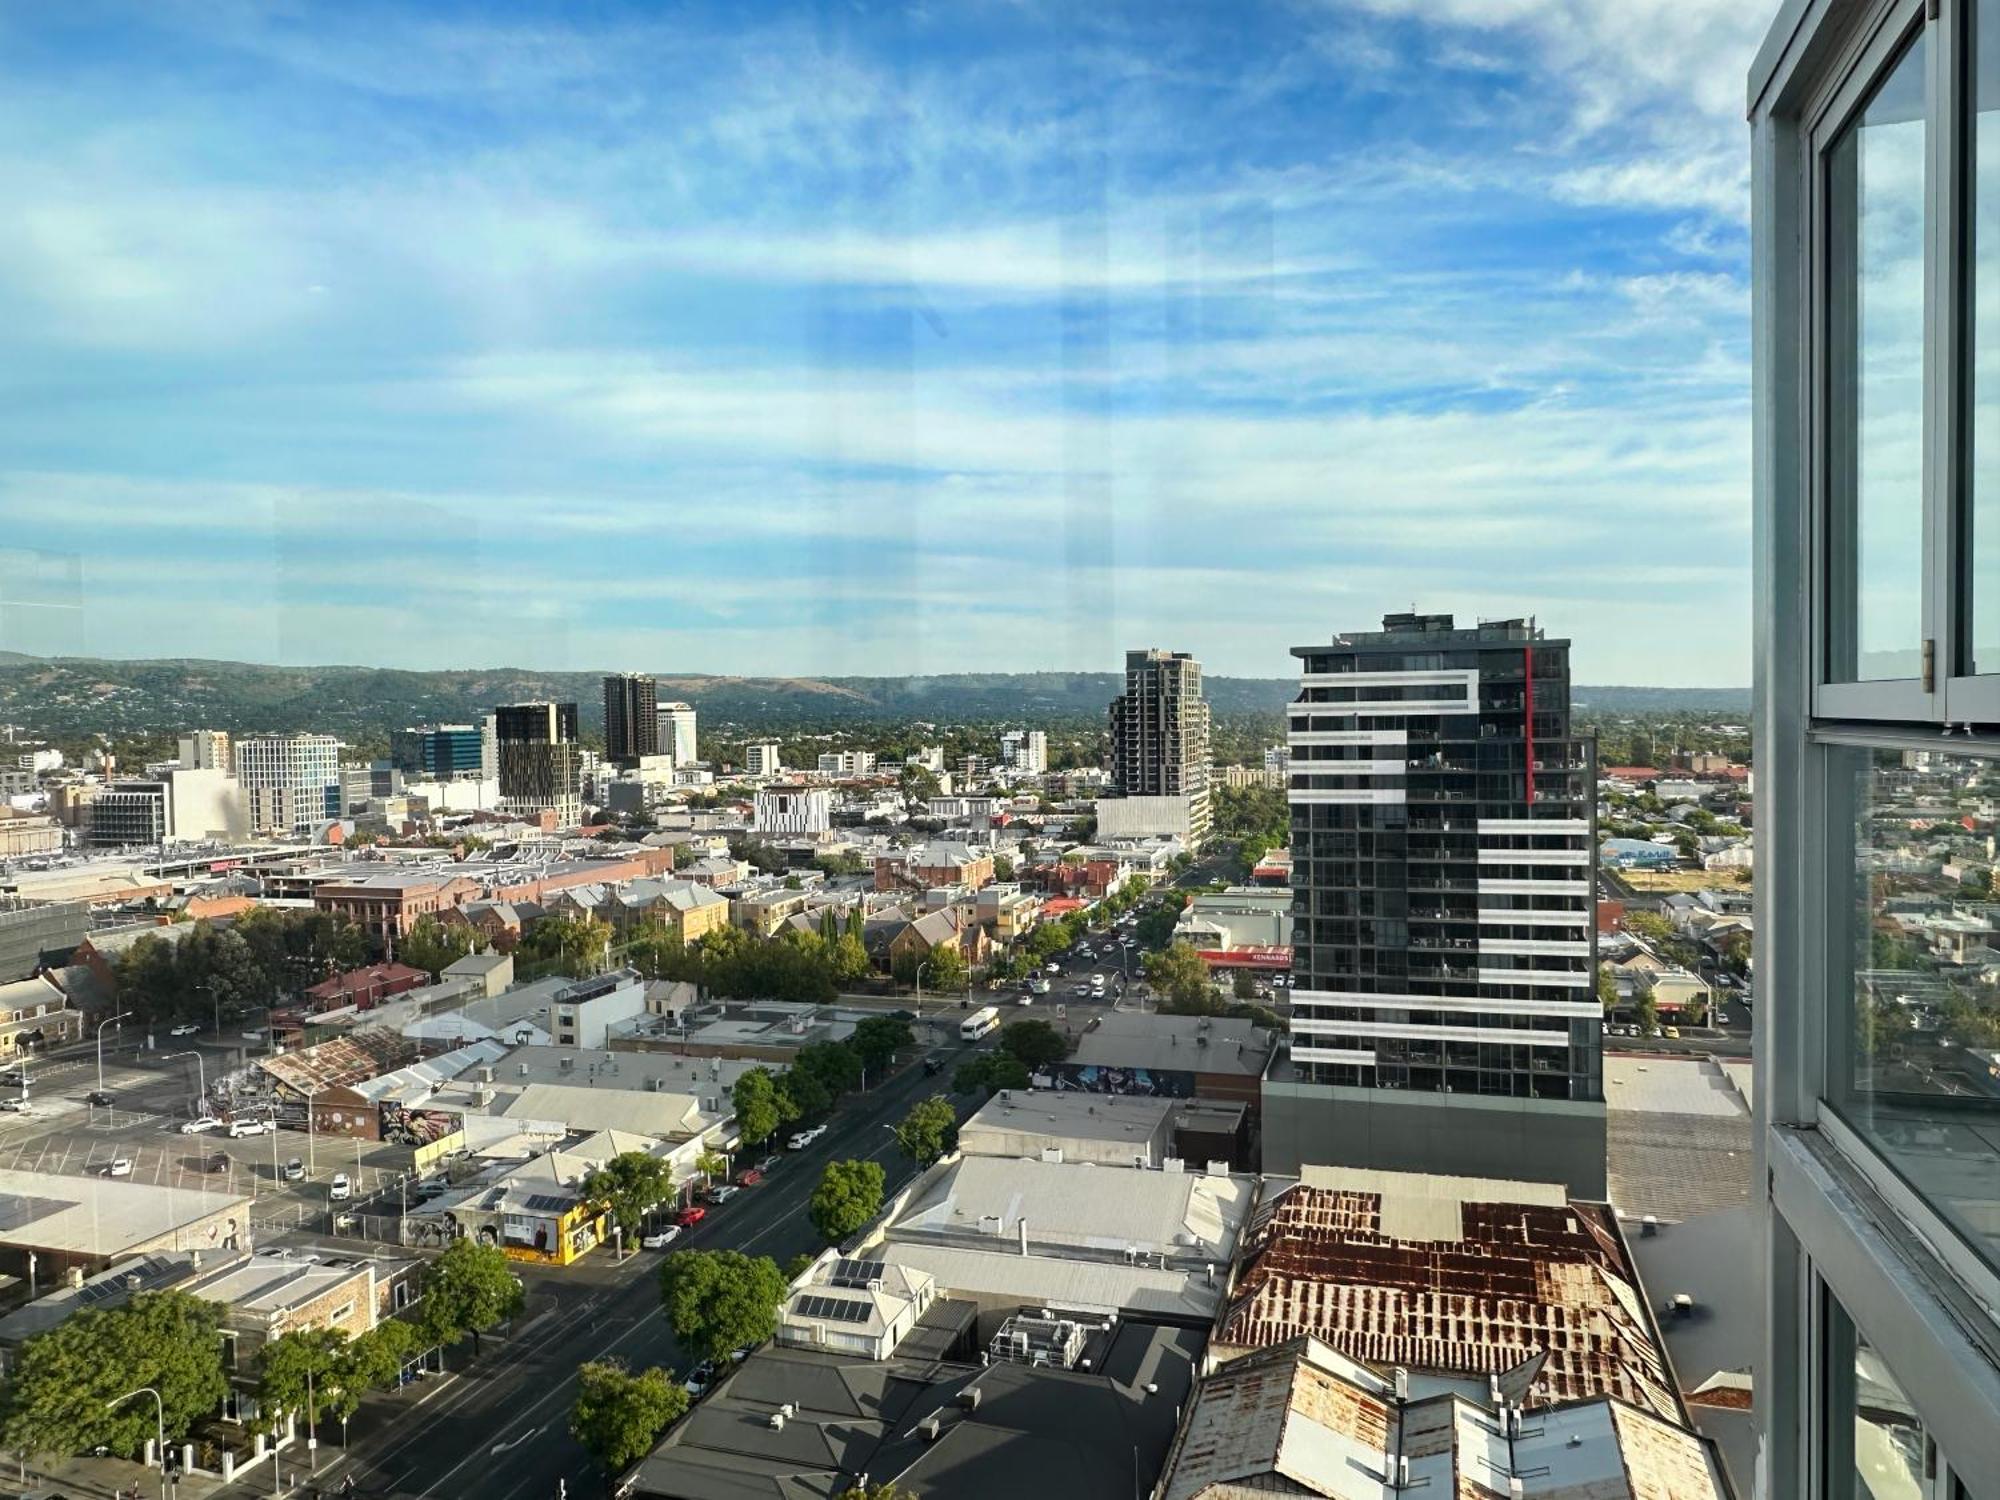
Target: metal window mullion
(1947,432)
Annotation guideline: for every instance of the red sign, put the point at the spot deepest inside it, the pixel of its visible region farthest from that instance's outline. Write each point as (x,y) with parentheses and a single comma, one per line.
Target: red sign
(1247,958)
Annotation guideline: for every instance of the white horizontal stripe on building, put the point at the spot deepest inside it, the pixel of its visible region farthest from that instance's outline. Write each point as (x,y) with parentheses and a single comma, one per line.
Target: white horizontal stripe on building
(1534,825)
(1359,1057)
(1534,856)
(1463,677)
(1533,887)
(1541,979)
(1530,947)
(1350,796)
(1507,916)
(1349,767)
(1383,737)
(1457,1004)
(1510,1036)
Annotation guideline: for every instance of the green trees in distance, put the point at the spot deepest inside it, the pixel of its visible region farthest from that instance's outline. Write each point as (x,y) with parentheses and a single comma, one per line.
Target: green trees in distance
(877,1040)
(632,1184)
(943,970)
(576,946)
(263,954)
(794,965)
(1033,1044)
(756,1102)
(929,1130)
(620,1413)
(848,1196)
(1181,978)
(717,1301)
(467,1289)
(991,1071)
(431,945)
(1252,814)
(64,1381)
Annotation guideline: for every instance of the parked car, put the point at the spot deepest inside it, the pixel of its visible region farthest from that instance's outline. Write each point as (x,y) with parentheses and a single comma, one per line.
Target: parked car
(1052,968)
(118,1166)
(804,1138)
(699,1379)
(1672,1031)
(934,1064)
(749,1177)
(186,1028)
(722,1192)
(254,1034)
(340,1189)
(690,1216)
(769,1164)
(201,1125)
(97,1096)
(1025,1000)
(295,1170)
(240,1128)
(216,1161)
(659,1239)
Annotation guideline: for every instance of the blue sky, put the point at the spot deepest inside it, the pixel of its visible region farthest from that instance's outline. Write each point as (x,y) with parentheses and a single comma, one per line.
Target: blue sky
(871,338)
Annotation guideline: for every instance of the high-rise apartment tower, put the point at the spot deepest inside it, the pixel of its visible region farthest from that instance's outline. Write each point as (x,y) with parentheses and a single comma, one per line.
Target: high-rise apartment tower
(1159,734)
(631,718)
(1444,1010)
(541,764)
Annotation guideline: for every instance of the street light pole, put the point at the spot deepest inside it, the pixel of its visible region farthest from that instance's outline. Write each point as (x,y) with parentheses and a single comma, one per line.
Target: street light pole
(100,1046)
(920,987)
(160,1416)
(201,1077)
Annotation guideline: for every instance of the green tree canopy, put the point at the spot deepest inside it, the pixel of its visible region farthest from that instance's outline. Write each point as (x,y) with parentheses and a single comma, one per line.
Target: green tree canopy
(929,1130)
(848,1196)
(467,1289)
(571,945)
(64,1381)
(720,1300)
(1181,978)
(1033,1044)
(991,1072)
(1607,987)
(632,1184)
(834,1064)
(801,1096)
(755,1098)
(945,970)
(1244,986)
(877,1039)
(620,1414)
(431,945)
(301,1371)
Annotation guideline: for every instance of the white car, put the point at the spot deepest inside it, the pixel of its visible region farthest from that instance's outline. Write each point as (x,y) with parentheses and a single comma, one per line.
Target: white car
(17,1106)
(1025,1000)
(340,1189)
(659,1239)
(723,1192)
(254,1034)
(804,1138)
(201,1125)
(1052,968)
(240,1128)
(186,1028)
(120,1166)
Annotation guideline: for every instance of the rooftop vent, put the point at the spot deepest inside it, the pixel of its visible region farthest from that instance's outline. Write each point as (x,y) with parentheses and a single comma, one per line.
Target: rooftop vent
(969,1398)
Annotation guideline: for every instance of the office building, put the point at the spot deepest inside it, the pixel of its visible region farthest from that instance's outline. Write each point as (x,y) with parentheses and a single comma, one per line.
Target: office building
(676,723)
(541,764)
(631,718)
(762,759)
(847,763)
(1025,750)
(1878,1111)
(292,781)
(1444,1010)
(794,810)
(1159,734)
(439,752)
(206,750)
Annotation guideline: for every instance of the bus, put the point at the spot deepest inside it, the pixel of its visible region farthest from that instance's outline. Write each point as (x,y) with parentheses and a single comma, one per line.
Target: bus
(982,1022)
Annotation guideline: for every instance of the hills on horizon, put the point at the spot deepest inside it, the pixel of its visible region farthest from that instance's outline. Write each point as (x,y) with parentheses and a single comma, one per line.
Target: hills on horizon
(59,696)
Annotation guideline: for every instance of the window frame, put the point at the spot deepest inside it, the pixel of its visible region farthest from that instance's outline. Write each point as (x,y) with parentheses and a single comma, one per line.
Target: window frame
(1881,42)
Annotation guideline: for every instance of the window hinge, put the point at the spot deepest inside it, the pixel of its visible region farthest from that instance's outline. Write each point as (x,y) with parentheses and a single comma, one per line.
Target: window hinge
(1930,665)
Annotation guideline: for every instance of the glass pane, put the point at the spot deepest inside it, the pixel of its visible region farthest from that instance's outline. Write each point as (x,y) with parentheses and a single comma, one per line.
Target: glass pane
(1917,1043)
(1876,386)
(1889,1439)
(1985,341)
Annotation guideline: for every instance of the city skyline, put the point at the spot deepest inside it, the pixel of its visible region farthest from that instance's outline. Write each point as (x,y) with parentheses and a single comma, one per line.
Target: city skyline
(878,342)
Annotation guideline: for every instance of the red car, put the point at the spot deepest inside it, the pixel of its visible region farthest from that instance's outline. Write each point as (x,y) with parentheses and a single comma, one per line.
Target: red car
(749,1177)
(690,1216)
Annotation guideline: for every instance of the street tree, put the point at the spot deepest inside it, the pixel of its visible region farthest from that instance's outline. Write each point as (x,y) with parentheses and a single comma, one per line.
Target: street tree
(992,1072)
(1033,1044)
(755,1098)
(631,1185)
(64,1381)
(848,1196)
(1244,986)
(431,945)
(877,1039)
(945,969)
(929,1130)
(835,1064)
(302,1371)
(619,1414)
(887,1490)
(467,1289)
(717,1301)
(801,1096)
(1181,978)
(1607,987)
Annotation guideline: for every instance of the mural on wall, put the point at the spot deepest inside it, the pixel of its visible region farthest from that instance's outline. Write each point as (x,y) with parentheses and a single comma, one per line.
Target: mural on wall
(404,1126)
(1156,1083)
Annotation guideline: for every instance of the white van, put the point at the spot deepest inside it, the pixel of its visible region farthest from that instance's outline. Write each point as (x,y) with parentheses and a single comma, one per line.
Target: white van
(240,1128)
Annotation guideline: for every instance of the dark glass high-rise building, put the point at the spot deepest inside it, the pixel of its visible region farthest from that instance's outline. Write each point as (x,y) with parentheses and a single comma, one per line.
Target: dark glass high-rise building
(631,718)
(541,764)
(1444,1010)
(1159,734)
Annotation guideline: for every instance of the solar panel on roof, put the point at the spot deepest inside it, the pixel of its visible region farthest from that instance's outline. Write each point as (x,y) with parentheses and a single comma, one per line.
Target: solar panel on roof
(546,1203)
(834,1309)
(856,1273)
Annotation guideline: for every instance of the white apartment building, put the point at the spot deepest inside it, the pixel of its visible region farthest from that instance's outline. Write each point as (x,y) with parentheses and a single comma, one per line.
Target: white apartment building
(847,763)
(677,733)
(762,759)
(183,805)
(928,758)
(292,781)
(206,750)
(794,810)
(1025,750)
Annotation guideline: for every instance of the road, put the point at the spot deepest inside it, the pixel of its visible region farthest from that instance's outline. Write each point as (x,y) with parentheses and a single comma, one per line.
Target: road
(504,1418)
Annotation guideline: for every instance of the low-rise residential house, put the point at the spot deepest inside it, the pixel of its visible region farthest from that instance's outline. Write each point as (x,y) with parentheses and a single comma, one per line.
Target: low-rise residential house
(363,988)
(717,871)
(685,908)
(1674,991)
(926,934)
(493,973)
(1006,911)
(35,1014)
(761,914)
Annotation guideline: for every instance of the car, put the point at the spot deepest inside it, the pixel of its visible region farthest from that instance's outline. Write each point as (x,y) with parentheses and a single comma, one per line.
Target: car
(804,1138)
(118,1166)
(340,1189)
(902,1015)
(1025,1000)
(201,1125)
(769,1164)
(749,1177)
(215,1161)
(240,1128)
(17,1106)
(1672,1031)
(659,1239)
(690,1216)
(1722,1018)
(934,1064)
(699,1379)
(97,1096)
(722,1192)
(295,1171)
(1052,968)
(186,1028)
(254,1034)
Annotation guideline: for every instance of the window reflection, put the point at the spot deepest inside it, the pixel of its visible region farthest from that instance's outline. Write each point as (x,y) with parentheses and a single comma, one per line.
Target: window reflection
(1918,1048)
(1876,172)
(1889,1437)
